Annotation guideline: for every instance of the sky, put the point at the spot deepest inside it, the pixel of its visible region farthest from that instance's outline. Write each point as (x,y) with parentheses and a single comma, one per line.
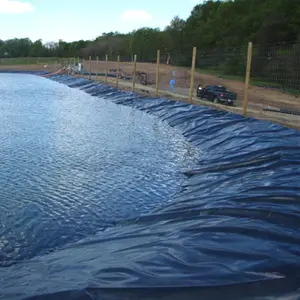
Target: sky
(51,20)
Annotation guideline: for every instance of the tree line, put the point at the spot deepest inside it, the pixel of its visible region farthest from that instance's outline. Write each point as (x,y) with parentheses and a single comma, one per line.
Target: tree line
(219,29)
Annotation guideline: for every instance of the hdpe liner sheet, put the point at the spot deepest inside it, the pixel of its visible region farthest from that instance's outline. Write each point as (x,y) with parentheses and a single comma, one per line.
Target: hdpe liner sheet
(231,233)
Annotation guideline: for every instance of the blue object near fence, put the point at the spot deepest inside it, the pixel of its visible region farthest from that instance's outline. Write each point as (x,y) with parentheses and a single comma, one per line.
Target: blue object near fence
(172,85)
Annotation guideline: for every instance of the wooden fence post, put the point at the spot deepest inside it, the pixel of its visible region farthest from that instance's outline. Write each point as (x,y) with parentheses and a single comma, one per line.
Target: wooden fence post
(83,63)
(192,75)
(97,67)
(106,67)
(157,72)
(90,67)
(134,72)
(247,79)
(118,71)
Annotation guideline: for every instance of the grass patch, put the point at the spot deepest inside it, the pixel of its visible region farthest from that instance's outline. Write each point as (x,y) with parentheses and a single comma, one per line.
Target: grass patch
(31,61)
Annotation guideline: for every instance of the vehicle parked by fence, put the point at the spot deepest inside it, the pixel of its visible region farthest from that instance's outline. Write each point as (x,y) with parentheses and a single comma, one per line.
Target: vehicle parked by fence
(217,94)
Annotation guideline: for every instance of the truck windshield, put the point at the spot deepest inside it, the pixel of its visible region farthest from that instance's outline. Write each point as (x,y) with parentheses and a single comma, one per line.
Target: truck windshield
(220,89)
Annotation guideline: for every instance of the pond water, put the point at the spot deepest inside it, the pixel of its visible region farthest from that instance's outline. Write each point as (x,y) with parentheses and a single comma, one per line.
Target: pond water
(73,164)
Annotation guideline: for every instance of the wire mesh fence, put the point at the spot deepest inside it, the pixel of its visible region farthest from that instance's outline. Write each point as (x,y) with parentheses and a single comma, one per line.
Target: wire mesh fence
(174,76)
(125,71)
(277,66)
(225,67)
(274,80)
(275,72)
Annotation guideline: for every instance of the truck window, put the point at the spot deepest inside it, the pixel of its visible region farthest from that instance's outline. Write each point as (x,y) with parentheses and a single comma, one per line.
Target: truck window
(220,89)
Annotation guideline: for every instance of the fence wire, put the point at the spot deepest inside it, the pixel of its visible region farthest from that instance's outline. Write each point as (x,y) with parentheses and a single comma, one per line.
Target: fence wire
(274,81)
(274,70)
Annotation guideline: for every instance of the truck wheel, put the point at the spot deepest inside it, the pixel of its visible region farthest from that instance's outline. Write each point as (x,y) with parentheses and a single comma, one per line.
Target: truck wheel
(216,100)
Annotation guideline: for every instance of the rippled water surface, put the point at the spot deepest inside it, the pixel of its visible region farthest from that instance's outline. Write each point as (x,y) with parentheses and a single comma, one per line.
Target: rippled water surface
(72,164)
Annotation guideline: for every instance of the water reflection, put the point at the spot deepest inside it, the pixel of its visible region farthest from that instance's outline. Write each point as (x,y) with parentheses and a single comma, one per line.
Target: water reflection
(73,164)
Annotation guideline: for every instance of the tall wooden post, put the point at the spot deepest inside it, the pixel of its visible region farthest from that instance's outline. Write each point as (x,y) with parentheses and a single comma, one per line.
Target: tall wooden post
(157,72)
(192,75)
(90,67)
(118,71)
(106,67)
(97,69)
(247,79)
(134,72)
(83,64)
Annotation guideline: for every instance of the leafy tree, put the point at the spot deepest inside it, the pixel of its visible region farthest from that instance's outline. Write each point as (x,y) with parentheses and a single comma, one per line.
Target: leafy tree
(219,29)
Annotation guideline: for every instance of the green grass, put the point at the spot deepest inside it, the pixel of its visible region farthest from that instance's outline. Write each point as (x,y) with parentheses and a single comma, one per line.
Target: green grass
(31,60)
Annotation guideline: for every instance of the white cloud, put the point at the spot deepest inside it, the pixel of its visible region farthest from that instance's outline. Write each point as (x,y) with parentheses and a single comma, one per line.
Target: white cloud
(135,16)
(15,7)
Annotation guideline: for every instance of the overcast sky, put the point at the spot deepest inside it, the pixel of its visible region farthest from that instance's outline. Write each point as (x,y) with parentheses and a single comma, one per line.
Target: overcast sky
(69,20)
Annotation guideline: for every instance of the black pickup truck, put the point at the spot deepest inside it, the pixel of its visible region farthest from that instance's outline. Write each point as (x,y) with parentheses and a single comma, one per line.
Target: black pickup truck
(217,94)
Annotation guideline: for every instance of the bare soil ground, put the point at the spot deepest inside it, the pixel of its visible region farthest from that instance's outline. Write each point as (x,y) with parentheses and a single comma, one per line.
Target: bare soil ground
(259,98)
